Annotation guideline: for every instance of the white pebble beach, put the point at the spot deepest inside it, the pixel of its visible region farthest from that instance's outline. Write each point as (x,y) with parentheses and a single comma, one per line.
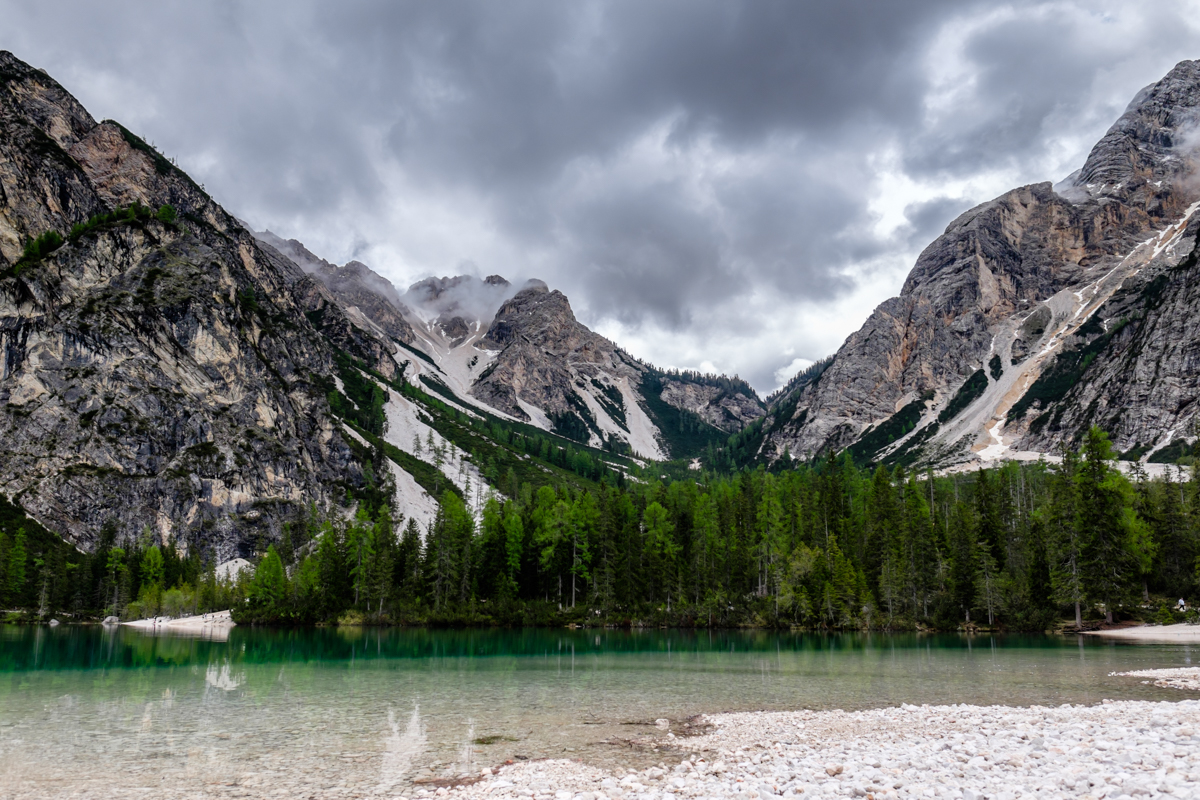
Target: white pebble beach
(1116,749)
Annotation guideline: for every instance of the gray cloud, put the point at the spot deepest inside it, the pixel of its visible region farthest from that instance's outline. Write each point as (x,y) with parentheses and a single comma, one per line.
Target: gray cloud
(715,180)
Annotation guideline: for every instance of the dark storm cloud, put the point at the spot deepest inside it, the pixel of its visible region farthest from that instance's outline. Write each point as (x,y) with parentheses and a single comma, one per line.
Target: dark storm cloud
(1035,76)
(663,162)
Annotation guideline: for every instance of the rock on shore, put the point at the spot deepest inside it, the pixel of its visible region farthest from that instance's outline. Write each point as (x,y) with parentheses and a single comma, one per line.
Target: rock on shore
(1112,750)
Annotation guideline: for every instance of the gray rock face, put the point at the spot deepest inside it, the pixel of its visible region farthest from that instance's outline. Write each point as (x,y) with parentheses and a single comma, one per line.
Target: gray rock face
(354,286)
(1143,381)
(724,409)
(995,264)
(543,351)
(151,373)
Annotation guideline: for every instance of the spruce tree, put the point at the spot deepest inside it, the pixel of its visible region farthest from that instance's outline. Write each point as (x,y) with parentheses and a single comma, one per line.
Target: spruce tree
(1119,548)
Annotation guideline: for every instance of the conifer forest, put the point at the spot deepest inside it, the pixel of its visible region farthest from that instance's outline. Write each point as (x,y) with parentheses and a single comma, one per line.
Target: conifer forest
(823,545)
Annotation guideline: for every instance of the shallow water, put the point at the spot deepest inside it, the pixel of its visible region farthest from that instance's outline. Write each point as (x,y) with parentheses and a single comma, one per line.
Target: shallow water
(370,707)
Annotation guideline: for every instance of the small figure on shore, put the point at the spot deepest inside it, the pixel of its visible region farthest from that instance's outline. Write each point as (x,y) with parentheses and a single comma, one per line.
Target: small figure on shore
(1182,605)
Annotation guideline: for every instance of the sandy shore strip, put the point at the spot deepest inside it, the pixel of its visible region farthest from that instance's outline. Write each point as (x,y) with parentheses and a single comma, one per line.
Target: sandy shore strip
(1112,750)
(1181,633)
(217,619)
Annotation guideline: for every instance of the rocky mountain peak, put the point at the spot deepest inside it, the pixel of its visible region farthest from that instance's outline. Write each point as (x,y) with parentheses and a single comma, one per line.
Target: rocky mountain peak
(471,298)
(44,102)
(989,303)
(1155,138)
(63,167)
(355,285)
(293,249)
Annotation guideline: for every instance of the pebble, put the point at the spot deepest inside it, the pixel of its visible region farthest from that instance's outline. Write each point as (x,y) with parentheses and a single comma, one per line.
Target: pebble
(1111,750)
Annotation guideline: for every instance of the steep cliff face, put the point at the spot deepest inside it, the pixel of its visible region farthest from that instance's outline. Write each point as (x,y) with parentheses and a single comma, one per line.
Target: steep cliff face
(524,355)
(155,370)
(1134,369)
(729,409)
(1005,281)
(551,370)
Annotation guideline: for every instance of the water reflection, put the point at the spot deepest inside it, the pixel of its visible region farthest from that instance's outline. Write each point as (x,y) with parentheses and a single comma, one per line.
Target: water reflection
(394,705)
(401,750)
(222,677)
(95,647)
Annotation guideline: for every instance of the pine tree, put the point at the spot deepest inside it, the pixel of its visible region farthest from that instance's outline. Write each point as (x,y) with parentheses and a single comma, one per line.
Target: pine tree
(1066,542)
(661,549)
(14,573)
(1119,548)
(407,564)
(269,588)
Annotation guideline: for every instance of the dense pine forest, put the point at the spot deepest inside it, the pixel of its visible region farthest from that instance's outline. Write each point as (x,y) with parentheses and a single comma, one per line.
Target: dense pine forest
(827,544)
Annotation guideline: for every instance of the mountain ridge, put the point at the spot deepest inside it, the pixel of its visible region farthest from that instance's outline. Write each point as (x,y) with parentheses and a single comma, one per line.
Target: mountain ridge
(158,366)
(997,265)
(521,353)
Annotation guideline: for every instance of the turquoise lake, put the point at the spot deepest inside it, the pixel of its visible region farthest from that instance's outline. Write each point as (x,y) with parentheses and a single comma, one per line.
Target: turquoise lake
(397,704)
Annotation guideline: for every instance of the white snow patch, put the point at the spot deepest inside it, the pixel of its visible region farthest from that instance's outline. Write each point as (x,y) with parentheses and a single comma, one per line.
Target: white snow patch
(412,500)
(229,570)
(998,448)
(603,421)
(1163,442)
(353,434)
(454,369)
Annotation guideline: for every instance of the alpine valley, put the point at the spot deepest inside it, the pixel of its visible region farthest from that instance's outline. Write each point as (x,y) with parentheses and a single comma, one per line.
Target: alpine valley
(171,378)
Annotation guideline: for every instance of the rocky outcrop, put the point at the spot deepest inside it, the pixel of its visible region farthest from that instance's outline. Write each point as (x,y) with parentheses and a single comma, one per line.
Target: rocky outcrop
(155,370)
(543,351)
(355,286)
(1135,369)
(985,277)
(726,409)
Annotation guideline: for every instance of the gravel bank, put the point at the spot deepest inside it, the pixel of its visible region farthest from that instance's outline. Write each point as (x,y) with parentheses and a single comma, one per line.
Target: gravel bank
(1183,678)
(1182,633)
(1113,750)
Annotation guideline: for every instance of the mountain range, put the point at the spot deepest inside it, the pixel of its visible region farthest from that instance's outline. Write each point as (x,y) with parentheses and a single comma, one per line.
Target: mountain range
(166,370)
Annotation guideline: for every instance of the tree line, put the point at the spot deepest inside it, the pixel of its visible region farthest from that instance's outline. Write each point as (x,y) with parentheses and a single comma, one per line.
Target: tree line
(823,545)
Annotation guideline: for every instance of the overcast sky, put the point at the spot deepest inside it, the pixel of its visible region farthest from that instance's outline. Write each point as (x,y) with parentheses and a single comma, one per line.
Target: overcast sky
(722,186)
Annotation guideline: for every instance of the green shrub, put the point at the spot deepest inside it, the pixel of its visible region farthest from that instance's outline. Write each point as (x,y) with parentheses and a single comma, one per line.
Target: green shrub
(167,214)
(42,246)
(124,215)
(247,300)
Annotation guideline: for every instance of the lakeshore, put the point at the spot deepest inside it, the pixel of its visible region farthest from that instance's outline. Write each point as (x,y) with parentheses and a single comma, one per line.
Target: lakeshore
(217,619)
(337,713)
(1182,633)
(1116,749)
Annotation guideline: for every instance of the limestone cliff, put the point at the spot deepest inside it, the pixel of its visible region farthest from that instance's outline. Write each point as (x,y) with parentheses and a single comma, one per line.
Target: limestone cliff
(1008,279)
(728,408)
(156,368)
